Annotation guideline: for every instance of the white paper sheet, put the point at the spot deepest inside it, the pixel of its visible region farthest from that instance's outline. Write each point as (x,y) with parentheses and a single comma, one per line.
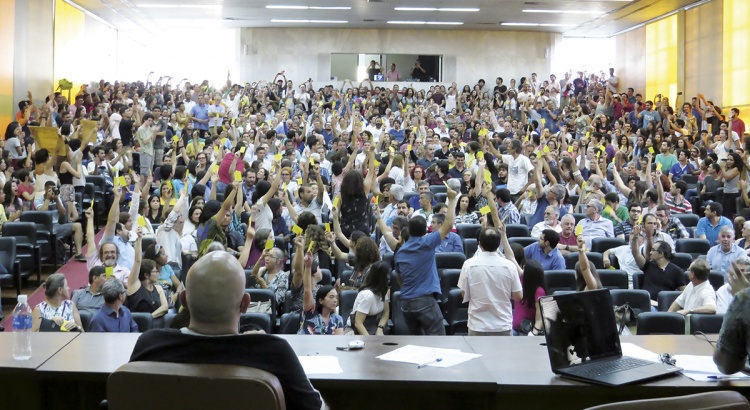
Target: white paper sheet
(428,356)
(320,364)
(631,350)
(703,369)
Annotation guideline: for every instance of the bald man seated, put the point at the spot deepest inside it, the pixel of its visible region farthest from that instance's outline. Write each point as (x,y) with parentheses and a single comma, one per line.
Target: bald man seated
(215,296)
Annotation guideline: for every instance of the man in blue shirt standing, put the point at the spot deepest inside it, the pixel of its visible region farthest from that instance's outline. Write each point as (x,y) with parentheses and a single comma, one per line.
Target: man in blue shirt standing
(113,317)
(199,112)
(417,273)
(545,251)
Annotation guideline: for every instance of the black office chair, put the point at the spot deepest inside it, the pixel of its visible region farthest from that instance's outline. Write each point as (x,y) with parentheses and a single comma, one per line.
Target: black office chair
(457,313)
(9,262)
(27,250)
(556,280)
(250,281)
(450,260)
(395,286)
(660,323)
(595,258)
(45,237)
(603,244)
(613,278)
(523,241)
(327,277)
(578,217)
(437,189)
(688,220)
(448,281)
(695,247)
(399,323)
(346,303)
(264,295)
(716,279)
(638,280)
(345,276)
(470,247)
(706,323)
(262,320)
(290,323)
(638,299)
(288,299)
(168,318)
(147,241)
(526,219)
(86,317)
(683,260)
(666,298)
(144,321)
(517,231)
(691,231)
(441,197)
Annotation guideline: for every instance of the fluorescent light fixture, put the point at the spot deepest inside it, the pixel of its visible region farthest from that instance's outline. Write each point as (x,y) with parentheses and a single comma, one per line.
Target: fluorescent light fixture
(564,11)
(309,21)
(310,7)
(435,23)
(182,6)
(538,24)
(556,25)
(520,24)
(455,9)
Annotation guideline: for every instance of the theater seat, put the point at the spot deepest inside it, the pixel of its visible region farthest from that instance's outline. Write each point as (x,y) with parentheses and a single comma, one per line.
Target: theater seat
(660,323)
(724,400)
(706,323)
(666,298)
(198,386)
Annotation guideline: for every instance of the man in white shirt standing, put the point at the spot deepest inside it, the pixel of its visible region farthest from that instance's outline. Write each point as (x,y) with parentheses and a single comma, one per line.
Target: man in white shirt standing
(519,166)
(699,295)
(488,281)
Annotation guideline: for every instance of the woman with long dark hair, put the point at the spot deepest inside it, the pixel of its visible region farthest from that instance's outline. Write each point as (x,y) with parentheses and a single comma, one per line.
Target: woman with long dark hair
(526,312)
(355,207)
(731,172)
(319,313)
(370,311)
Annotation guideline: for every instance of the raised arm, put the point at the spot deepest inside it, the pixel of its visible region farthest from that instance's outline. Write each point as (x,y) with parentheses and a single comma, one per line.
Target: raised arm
(114,214)
(245,254)
(447,225)
(337,228)
(370,180)
(308,300)
(639,259)
(133,283)
(391,240)
(588,277)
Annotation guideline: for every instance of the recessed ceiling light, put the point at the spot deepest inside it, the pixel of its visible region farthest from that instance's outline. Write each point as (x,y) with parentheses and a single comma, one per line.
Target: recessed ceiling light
(564,11)
(436,23)
(520,24)
(309,7)
(556,25)
(182,6)
(455,9)
(405,22)
(309,21)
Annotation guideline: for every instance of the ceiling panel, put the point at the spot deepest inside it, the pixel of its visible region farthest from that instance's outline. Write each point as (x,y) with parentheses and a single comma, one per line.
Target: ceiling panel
(614,16)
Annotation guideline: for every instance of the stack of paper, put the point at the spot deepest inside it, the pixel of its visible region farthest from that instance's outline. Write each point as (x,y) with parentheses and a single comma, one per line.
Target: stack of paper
(703,369)
(631,350)
(320,364)
(428,356)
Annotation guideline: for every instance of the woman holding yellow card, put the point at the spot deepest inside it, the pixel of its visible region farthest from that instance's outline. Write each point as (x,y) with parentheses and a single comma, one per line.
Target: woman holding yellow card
(56,307)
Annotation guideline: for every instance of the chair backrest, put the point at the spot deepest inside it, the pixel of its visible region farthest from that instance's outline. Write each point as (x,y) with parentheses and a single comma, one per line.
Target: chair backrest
(470,246)
(613,279)
(693,246)
(526,219)
(595,258)
(261,320)
(436,189)
(24,232)
(602,244)
(450,260)
(716,279)
(665,298)
(199,386)
(290,323)
(42,219)
(147,241)
(523,241)
(399,323)
(638,280)
(86,317)
(706,323)
(724,400)
(346,303)
(457,313)
(395,286)
(688,220)
(660,323)
(578,216)
(345,276)
(144,321)
(327,277)
(264,295)
(683,260)
(8,252)
(638,299)
(555,280)
(517,231)
(441,197)
(168,318)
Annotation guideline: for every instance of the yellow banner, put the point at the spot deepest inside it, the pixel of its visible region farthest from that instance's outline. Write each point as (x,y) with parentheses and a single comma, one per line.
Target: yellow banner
(47,137)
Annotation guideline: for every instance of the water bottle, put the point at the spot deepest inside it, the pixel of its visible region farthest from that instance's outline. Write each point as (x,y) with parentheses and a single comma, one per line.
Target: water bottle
(22,329)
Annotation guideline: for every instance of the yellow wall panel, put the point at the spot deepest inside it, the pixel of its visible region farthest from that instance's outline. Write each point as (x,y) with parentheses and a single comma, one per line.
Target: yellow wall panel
(70,45)
(7,37)
(662,58)
(736,54)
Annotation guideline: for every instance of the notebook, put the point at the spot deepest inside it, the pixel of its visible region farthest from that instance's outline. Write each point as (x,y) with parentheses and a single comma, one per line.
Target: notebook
(583,343)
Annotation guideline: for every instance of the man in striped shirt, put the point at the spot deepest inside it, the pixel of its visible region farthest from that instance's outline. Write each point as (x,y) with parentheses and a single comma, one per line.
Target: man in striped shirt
(675,199)
(669,224)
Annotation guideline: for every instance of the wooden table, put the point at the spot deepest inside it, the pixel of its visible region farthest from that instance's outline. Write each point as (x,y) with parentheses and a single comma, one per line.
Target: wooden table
(521,369)
(18,378)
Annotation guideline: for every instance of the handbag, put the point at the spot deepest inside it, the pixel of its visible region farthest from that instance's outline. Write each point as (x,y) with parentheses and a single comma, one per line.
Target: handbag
(48,325)
(260,307)
(527,325)
(623,315)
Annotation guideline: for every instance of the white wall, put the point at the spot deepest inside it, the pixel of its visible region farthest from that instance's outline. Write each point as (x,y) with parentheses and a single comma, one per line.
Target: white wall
(467,55)
(33,51)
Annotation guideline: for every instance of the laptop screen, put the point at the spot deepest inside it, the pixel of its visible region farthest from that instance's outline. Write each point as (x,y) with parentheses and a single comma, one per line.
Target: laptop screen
(579,327)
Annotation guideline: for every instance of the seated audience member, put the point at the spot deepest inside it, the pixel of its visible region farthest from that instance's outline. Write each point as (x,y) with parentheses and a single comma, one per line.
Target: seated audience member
(488,282)
(113,317)
(119,234)
(272,276)
(56,312)
(670,225)
(731,350)
(721,256)
(372,305)
(319,314)
(568,239)
(107,254)
(545,251)
(725,294)
(613,210)
(699,295)
(144,292)
(61,228)
(659,273)
(214,294)
(452,242)
(624,228)
(551,214)
(389,239)
(594,226)
(90,298)
(532,288)
(709,226)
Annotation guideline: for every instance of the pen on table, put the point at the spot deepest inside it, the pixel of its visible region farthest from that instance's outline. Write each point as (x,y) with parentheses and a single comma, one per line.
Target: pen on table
(727,378)
(438,360)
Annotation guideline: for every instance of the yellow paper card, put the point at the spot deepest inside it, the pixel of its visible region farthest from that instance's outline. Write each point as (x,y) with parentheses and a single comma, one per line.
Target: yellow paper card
(377,163)
(658,166)
(269,243)
(583,186)
(328,227)
(121,181)
(485,210)
(312,161)
(607,209)
(588,133)
(88,127)
(309,247)
(215,168)
(544,121)
(391,149)
(277,157)
(640,219)
(579,229)
(598,154)
(47,137)
(651,150)
(480,155)
(570,148)
(546,149)
(242,150)
(299,181)
(109,271)
(223,141)
(141,221)
(237,176)
(375,199)
(176,138)
(296,230)
(336,201)
(408,147)
(487,176)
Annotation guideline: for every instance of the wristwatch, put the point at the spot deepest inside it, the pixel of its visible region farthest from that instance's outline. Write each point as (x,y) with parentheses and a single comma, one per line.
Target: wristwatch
(381,327)
(567,247)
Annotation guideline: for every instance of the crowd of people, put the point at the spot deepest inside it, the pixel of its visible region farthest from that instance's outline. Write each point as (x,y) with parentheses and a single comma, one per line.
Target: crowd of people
(293,180)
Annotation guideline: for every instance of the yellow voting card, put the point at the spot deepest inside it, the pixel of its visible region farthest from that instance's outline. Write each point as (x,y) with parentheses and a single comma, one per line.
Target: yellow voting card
(109,271)
(237,176)
(242,150)
(328,227)
(545,149)
(215,168)
(141,221)
(658,166)
(570,148)
(296,230)
(579,229)
(269,243)
(485,210)
(336,201)
(309,247)
(651,150)
(480,155)
(277,157)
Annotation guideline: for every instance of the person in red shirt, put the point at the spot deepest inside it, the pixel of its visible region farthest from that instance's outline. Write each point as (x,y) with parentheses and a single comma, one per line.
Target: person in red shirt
(738,125)
(568,241)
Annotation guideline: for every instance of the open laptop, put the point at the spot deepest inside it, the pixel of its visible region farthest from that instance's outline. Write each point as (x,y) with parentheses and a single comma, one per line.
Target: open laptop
(583,342)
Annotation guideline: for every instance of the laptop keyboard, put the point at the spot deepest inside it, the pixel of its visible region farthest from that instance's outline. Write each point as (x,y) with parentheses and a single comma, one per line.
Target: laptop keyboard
(610,366)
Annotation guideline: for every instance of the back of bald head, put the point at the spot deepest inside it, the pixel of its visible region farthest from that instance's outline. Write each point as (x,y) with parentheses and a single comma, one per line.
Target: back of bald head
(214,288)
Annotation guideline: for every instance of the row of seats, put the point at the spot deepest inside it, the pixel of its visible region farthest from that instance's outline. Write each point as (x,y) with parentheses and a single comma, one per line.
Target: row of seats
(146,322)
